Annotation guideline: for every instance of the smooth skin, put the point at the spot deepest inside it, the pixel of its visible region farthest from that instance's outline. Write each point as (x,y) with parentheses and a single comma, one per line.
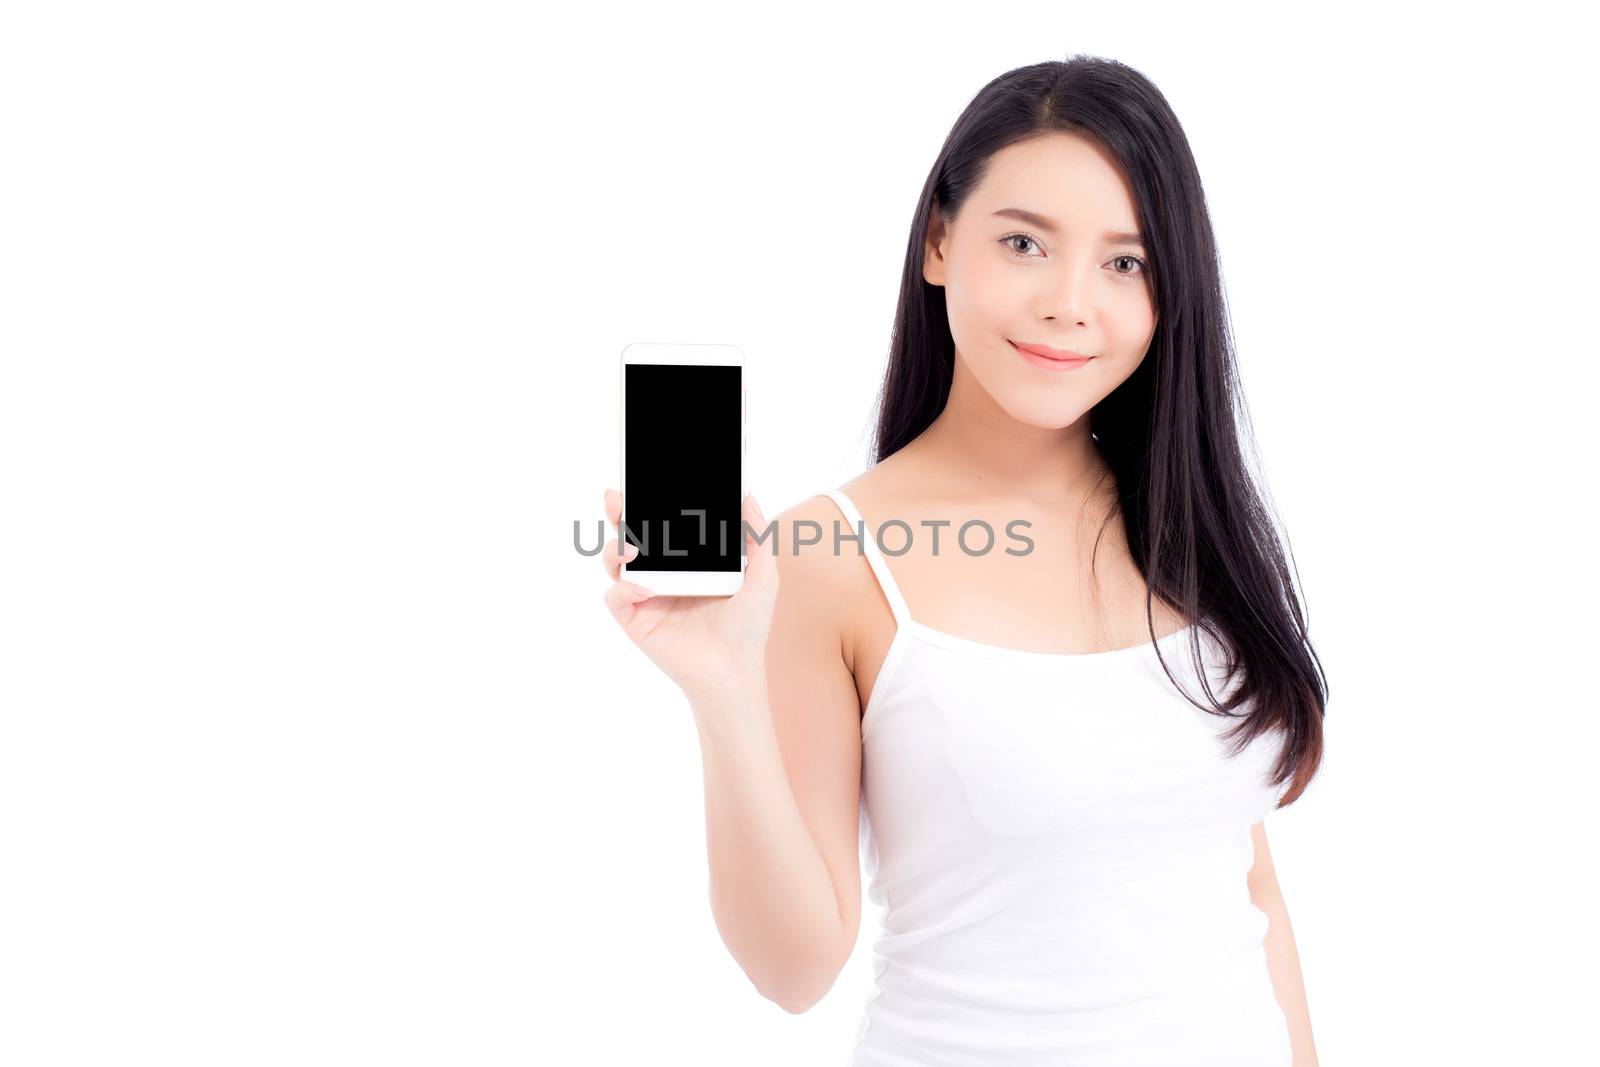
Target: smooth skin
(1012,443)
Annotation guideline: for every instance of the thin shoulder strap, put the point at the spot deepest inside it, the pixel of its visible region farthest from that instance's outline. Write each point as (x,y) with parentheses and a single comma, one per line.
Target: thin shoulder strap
(869,545)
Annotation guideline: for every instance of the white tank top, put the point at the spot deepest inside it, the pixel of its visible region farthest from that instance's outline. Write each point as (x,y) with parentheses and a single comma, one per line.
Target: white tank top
(1060,846)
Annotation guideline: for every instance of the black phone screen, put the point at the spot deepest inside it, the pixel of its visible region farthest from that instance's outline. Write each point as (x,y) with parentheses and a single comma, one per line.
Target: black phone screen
(684,446)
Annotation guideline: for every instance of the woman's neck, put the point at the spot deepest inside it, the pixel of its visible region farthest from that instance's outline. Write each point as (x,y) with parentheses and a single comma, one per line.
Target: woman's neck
(979,449)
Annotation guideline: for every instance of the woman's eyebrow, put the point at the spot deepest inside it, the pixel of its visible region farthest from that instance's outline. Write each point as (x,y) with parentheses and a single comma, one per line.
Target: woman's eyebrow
(1034,219)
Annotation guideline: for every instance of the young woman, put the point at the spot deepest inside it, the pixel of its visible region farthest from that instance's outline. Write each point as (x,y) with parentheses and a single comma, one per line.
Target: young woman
(1053,746)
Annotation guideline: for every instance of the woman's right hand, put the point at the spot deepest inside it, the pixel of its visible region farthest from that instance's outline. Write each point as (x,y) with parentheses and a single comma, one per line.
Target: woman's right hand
(701,642)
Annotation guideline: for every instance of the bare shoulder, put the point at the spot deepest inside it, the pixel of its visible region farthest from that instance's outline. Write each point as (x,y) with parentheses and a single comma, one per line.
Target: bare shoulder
(823,590)
(801,536)
(812,583)
(808,528)
(891,484)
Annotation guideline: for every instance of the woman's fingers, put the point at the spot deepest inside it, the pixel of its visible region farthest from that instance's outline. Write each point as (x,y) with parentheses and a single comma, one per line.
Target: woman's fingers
(615,557)
(622,597)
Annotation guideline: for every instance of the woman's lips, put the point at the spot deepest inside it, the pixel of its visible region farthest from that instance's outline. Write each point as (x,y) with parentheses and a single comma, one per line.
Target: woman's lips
(1051,358)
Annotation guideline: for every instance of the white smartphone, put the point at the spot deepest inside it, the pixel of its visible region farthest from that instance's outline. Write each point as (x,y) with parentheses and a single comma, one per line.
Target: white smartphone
(683,445)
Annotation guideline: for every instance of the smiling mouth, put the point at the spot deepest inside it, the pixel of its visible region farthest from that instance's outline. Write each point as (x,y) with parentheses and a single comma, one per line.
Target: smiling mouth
(1052,355)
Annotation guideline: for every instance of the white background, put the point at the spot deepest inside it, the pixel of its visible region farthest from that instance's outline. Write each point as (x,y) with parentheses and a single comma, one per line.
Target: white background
(319,743)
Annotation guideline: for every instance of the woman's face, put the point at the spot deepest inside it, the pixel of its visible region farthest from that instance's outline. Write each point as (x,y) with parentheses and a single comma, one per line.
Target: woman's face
(1071,277)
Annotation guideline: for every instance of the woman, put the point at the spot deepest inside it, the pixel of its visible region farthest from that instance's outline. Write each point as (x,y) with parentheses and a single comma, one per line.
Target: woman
(1066,841)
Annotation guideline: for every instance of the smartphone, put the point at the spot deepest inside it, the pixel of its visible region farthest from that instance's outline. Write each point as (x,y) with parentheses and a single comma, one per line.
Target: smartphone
(683,446)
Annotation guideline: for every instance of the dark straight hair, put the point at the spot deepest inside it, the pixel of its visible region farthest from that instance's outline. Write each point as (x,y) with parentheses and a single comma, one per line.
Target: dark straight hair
(1197,526)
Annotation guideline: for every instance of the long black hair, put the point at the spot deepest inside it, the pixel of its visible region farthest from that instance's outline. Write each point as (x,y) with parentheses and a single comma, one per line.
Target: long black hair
(1197,526)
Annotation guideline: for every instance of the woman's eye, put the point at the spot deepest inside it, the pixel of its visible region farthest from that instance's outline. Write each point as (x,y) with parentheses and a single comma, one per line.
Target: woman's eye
(1007,241)
(1143,266)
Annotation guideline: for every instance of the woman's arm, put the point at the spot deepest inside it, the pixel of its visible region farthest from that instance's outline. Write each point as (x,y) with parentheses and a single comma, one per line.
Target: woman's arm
(1283,961)
(782,758)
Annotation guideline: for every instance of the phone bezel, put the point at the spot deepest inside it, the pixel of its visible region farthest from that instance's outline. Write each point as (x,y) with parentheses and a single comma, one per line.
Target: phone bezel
(682,583)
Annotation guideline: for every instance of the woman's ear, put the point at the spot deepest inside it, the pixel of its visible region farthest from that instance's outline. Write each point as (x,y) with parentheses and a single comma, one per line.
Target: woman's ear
(933,247)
